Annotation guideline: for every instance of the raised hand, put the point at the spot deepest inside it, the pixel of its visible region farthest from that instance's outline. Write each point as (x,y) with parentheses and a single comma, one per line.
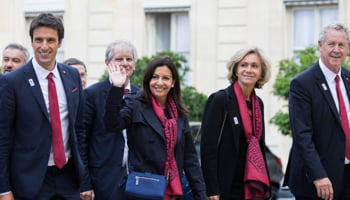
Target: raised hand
(117,74)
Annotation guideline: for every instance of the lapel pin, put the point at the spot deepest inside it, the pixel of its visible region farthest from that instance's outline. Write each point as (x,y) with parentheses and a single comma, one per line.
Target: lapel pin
(235,120)
(324,86)
(64,72)
(31,82)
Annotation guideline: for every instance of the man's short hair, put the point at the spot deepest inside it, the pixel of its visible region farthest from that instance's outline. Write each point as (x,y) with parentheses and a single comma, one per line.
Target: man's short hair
(74,61)
(19,47)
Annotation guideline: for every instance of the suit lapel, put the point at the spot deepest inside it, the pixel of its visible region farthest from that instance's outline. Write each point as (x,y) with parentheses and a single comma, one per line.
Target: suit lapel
(233,115)
(322,85)
(180,126)
(345,77)
(33,85)
(155,123)
(153,120)
(69,86)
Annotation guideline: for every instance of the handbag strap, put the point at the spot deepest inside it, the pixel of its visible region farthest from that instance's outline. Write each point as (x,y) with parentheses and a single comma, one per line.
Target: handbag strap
(222,128)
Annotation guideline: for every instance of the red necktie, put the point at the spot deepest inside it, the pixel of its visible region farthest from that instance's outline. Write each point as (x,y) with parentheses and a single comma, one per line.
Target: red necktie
(343,117)
(57,139)
(126,91)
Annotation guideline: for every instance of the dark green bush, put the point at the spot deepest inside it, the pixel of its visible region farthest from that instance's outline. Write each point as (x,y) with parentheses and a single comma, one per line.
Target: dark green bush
(288,69)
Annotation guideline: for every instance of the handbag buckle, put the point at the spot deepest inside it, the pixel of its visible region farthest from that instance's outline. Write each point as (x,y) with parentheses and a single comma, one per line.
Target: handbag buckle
(137,179)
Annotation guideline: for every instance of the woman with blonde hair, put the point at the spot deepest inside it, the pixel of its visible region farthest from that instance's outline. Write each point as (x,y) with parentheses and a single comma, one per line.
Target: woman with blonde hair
(233,142)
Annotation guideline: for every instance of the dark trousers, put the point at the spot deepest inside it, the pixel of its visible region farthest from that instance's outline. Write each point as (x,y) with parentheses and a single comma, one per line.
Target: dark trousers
(59,184)
(345,193)
(346,183)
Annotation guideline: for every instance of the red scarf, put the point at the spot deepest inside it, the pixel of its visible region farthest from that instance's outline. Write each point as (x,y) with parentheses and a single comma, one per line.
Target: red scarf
(256,179)
(174,188)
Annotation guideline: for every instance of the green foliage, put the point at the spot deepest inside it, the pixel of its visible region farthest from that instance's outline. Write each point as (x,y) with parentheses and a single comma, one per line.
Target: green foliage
(104,76)
(281,120)
(288,69)
(193,100)
(141,64)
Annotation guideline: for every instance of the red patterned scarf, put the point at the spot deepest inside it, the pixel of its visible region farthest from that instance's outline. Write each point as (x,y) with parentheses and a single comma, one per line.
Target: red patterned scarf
(174,189)
(256,179)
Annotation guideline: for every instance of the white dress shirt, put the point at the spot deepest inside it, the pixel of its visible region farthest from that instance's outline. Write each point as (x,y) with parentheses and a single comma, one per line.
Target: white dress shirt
(41,74)
(330,78)
(126,147)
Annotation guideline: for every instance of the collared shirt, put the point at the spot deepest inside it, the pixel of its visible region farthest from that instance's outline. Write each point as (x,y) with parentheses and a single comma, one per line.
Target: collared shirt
(330,78)
(126,147)
(42,73)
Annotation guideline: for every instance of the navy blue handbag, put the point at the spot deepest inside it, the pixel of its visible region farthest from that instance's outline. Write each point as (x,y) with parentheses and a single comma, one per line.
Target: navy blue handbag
(145,186)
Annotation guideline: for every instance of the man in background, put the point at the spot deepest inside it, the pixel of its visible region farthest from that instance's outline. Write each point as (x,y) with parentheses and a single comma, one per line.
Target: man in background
(105,152)
(80,66)
(14,56)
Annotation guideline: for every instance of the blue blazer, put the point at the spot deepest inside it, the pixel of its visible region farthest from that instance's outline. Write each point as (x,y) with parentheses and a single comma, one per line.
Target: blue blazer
(25,130)
(103,150)
(147,149)
(318,148)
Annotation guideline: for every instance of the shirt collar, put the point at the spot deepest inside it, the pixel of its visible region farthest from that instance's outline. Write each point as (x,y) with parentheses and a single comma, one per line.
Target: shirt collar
(42,72)
(330,76)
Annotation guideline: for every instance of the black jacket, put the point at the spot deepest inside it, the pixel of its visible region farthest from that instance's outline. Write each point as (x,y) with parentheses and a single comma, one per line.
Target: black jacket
(219,157)
(147,142)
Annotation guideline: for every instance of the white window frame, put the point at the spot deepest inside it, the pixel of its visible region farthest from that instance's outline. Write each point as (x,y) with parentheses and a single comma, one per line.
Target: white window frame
(317,23)
(151,30)
(173,33)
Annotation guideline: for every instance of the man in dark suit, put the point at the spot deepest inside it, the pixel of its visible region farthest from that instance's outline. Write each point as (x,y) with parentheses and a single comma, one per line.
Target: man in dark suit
(40,122)
(318,166)
(106,152)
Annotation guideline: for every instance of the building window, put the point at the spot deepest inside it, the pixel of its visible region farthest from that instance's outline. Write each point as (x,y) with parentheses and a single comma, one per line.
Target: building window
(162,32)
(308,22)
(168,27)
(181,31)
(168,32)
(307,17)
